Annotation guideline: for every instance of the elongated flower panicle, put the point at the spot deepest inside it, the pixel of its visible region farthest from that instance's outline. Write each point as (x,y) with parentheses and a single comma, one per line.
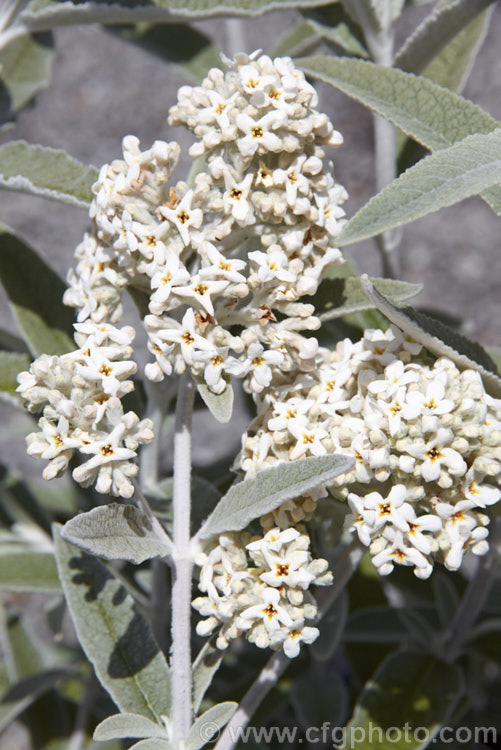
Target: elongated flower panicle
(223,260)
(426,439)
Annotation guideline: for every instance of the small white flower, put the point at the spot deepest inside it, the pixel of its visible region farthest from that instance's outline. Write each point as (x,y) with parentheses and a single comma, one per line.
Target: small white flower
(164,280)
(430,405)
(259,133)
(390,510)
(398,552)
(290,411)
(184,217)
(293,179)
(435,454)
(273,540)
(481,494)
(272,265)
(258,364)
(329,214)
(109,374)
(395,377)
(269,610)
(308,440)
(297,634)
(236,198)
(199,291)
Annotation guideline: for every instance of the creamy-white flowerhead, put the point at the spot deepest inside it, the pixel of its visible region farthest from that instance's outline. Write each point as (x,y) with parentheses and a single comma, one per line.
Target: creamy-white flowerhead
(426,440)
(79,396)
(221,262)
(260,588)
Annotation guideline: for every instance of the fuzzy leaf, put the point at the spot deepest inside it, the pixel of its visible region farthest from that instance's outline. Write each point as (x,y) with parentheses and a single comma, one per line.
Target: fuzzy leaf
(35,296)
(11,363)
(438,338)
(335,26)
(365,13)
(493,198)
(426,112)
(408,689)
(26,570)
(441,179)
(209,724)
(26,67)
(296,41)
(341,296)
(437,30)
(155,744)
(433,116)
(205,666)
(117,532)
(46,14)
(47,172)
(125,725)
(255,497)
(220,405)
(452,66)
(114,635)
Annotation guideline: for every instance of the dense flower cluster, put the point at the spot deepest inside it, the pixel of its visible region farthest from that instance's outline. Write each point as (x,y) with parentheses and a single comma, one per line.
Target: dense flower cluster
(219,266)
(427,435)
(223,261)
(267,597)
(79,396)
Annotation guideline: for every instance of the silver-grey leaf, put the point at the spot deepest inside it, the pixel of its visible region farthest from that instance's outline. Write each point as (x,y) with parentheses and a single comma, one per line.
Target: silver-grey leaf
(114,634)
(118,531)
(220,405)
(437,30)
(205,667)
(126,725)
(209,724)
(438,338)
(441,179)
(342,296)
(255,497)
(46,172)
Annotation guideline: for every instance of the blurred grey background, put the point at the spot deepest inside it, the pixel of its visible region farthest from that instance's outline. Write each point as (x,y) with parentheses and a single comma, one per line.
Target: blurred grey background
(104,88)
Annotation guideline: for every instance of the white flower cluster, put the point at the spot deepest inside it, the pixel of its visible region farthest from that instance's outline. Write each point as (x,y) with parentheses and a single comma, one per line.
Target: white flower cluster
(220,259)
(266,598)
(79,395)
(427,433)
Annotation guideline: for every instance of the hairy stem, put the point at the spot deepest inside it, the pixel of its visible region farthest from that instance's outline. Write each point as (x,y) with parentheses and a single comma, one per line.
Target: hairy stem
(380,43)
(276,666)
(182,564)
(235,37)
